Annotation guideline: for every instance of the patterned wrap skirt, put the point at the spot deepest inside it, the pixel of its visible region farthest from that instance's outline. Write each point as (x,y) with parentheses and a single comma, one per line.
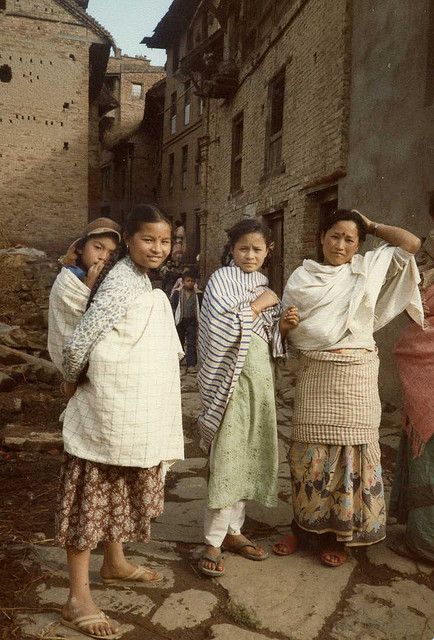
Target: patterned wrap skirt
(106,503)
(335,458)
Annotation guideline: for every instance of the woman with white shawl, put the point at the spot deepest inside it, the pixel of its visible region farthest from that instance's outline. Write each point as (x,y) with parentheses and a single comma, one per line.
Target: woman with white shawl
(122,424)
(337,487)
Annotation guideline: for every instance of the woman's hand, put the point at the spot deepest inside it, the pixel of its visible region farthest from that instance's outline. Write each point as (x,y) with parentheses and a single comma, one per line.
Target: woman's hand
(267,299)
(369,223)
(68,389)
(93,273)
(289,319)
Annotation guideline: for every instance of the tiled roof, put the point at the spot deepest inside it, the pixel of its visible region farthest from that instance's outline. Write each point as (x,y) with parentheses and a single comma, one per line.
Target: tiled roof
(75,7)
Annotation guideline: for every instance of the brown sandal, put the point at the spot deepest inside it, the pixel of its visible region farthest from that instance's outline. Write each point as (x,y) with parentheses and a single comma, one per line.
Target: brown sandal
(338,552)
(290,544)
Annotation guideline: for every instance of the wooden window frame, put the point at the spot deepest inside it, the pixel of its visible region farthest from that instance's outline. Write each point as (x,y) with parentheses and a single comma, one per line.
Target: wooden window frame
(237,152)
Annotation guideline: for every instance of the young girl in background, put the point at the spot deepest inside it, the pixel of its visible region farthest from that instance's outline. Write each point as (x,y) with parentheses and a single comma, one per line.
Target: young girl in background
(122,423)
(238,418)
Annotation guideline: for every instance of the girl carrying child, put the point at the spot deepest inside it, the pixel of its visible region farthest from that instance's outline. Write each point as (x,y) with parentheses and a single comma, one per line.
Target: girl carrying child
(122,424)
(238,418)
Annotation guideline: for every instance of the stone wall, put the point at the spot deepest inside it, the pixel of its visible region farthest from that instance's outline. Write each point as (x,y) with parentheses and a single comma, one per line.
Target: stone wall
(43,124)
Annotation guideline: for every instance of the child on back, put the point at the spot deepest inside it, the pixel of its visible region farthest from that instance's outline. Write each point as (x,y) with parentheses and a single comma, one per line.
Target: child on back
(82,265)
(238,422)
(186,308)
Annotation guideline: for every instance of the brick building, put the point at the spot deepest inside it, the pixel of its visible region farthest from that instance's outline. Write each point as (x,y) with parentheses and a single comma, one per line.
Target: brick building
(128,146)
(180,183)
(309,105)
(53,58)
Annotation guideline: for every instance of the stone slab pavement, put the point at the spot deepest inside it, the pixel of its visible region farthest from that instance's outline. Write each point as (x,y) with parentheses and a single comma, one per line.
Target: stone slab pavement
(377,595)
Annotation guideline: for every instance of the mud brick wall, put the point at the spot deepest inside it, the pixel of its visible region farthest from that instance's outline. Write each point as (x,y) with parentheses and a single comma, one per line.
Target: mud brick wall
(44,124)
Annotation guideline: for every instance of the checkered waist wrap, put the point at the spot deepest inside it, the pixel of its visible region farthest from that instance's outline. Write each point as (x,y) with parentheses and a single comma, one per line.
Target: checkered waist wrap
(336,398)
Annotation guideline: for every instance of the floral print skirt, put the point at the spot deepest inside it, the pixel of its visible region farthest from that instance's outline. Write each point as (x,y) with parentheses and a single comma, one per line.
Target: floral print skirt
(339,489)
(106,503)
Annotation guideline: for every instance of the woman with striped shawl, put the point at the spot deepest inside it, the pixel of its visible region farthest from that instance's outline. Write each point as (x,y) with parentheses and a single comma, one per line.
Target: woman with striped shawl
(238,418)
(337,487)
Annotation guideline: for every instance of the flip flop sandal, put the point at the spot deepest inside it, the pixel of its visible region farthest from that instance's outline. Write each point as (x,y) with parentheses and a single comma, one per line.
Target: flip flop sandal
(214,573)
(79,624)
(137,576)
(339,553)
(238,549)
(290,544)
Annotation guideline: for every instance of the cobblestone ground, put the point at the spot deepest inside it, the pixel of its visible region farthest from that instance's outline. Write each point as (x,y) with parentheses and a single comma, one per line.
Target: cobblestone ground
(376,595)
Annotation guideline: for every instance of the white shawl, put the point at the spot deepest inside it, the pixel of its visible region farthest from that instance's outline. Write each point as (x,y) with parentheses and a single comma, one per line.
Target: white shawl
(342,306)
(128,412)
(67,303)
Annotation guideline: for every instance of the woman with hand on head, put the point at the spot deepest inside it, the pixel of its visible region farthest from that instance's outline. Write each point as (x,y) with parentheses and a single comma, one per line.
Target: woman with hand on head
(238,418)
(122,424)
(337,487)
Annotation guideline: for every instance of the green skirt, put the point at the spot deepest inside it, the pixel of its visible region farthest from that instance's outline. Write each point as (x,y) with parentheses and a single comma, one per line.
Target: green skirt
(412,498)
(244,458)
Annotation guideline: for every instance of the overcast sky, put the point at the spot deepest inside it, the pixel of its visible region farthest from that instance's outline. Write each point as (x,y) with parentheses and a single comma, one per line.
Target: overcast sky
(129,21)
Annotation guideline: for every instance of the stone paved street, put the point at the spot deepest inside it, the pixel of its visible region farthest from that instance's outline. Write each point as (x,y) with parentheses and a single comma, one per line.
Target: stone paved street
(377,595)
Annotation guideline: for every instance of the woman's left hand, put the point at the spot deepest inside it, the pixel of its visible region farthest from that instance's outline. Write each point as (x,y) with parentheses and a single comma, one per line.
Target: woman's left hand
(289,319)
(68,389)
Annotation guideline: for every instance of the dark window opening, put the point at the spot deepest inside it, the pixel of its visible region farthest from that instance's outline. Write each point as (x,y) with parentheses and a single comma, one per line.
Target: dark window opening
(184,166)
(5,73)
(187,102)
(66,105)
(2,5)
(171,170)
(276,99)
(237,151)
(173,100)
(66,145)
(175,57)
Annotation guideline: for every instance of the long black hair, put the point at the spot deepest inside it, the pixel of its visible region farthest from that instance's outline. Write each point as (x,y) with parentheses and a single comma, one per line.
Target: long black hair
(240,229)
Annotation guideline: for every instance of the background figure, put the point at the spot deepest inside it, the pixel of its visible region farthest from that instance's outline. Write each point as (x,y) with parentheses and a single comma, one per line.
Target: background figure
(412,499)
(186,303)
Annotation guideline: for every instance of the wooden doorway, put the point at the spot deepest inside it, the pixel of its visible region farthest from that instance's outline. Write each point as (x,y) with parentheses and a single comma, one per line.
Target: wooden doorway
(275,267)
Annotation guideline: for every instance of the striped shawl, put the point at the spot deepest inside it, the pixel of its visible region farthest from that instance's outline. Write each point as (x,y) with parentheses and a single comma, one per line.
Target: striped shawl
(225,329)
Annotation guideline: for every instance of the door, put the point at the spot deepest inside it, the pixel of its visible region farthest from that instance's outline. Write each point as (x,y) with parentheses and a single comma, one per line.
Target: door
(275,266)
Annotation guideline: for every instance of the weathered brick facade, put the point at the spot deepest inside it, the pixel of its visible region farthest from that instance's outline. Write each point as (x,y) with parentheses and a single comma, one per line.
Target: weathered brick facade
(45,46)
(128,156)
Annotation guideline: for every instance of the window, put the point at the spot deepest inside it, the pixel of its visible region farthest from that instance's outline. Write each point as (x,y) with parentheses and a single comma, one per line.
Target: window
(171,170)
(184,166)
(187,101)
(197,164)
(173,100)
(276,96)
(136,90)
(175,57)
(200,105)
(106,177)
(237,151)
(2,5)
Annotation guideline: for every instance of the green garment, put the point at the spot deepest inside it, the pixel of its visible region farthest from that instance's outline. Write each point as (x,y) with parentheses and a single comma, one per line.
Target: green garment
(244,458)
(412,498)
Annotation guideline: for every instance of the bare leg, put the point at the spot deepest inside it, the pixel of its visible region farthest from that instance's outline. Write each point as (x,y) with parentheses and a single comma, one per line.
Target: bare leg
(80,602)
(115,564)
